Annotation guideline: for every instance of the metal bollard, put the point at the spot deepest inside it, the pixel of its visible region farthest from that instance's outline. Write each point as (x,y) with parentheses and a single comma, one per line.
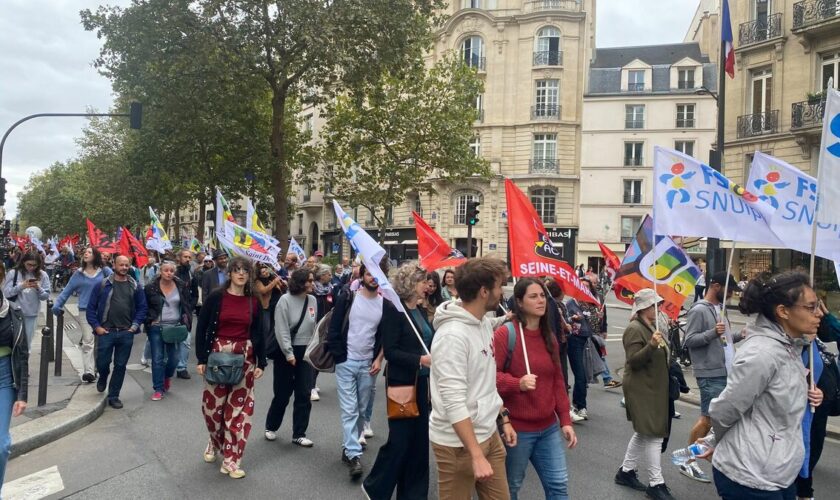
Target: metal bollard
(51,326)
(59,342)
(43,372)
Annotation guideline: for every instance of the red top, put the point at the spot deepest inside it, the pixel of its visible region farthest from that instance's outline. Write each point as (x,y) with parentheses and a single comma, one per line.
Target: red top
(234,318)
(536,410)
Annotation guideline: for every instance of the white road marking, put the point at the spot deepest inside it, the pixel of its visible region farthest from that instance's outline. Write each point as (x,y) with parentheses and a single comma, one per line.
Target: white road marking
(35,486)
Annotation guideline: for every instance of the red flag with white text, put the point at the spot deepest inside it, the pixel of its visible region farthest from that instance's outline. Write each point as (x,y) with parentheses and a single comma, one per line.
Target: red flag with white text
(532,252)
(433,251)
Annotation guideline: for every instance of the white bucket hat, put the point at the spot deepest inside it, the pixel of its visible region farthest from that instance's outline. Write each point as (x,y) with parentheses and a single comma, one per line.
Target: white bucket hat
(643,299)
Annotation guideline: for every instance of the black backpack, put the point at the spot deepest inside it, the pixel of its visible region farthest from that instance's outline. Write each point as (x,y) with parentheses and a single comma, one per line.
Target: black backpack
(7,326)
(829,383)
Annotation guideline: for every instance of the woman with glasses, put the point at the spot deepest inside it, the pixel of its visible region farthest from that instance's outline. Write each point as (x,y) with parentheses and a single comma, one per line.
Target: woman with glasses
(757,419)
(294,323)
(230,323)
(27,285)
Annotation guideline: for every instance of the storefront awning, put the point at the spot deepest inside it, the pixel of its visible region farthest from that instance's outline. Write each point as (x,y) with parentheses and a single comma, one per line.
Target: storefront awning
(409,242)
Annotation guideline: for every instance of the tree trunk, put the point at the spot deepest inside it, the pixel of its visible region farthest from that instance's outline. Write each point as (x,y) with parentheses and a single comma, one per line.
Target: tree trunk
(177,230)
(280,172)
(166,215)
(202,213)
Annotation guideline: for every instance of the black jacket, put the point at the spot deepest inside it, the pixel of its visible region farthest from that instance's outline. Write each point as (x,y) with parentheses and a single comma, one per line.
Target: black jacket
(209,282)
(208,322)
(401,345)
(186,275)
(154,302)
(20,350)
(340,324)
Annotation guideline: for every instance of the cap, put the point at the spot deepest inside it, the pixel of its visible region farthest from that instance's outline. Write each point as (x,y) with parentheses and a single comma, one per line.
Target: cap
(207,258)
(218,253)
(720,279)
(643,299)
(318,253)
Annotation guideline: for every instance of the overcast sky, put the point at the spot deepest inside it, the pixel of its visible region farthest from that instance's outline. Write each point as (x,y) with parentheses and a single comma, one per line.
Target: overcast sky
(46,57)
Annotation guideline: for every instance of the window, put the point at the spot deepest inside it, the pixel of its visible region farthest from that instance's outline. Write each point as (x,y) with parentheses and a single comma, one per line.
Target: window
(830,69)
(633,191)
(685,78)
(636,80)
(545,153)
(479,106)
(685,115)
(461,206)
(472,50)
(629,227)
(308,121)
(307,194)
(545,202)
(371,217)
(633,154)
(762,90)
(761,10)
(416,205)
(332,220)
(389,215)
(547,49)
(685,147)
(475,146)
(634,116)
(547,98)
(300,223)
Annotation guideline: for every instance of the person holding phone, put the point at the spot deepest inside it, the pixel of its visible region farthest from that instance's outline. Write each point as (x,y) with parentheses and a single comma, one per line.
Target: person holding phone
(27,285)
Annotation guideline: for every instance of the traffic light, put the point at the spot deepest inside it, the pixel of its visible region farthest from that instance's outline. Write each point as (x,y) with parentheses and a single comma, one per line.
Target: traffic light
(135,115)
(472,212)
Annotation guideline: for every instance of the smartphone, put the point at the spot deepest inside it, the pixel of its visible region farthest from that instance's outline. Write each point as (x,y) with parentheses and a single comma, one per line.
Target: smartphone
(32,280)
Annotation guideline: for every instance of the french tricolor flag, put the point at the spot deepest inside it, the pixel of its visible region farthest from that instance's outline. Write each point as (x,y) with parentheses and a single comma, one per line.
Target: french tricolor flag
(726,39)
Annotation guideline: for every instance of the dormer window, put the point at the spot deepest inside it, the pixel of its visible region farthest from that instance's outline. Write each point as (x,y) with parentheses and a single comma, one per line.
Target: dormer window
(636,80)
(685,78)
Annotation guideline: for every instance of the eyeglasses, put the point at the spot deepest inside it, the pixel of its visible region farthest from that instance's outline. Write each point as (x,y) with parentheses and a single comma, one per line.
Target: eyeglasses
(240,270)
(814,308)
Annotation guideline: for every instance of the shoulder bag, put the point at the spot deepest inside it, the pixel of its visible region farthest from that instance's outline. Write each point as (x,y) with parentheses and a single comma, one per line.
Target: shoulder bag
(14,284)
(402,400)
(225,368)
(174,334)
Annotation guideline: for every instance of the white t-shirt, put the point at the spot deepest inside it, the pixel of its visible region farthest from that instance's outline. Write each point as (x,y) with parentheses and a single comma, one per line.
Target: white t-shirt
(365,315)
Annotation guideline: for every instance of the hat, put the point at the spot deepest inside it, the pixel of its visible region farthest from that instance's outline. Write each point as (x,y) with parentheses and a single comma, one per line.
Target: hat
(643,299)
(720,279)
(207,258)
(218,253)
(318,253)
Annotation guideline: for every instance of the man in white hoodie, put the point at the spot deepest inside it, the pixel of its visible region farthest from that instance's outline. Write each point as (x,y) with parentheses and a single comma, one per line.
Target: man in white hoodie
(467,411)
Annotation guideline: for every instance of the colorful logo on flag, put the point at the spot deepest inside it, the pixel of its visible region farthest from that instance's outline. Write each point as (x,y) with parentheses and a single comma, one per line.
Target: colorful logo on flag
(835,131)
(675,180)
(769,186)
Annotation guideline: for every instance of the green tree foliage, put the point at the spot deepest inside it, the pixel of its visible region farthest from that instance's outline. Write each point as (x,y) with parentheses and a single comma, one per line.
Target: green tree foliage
(403,130)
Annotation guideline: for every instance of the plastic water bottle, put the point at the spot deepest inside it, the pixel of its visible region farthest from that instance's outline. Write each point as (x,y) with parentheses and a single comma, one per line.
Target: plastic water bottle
(688,454)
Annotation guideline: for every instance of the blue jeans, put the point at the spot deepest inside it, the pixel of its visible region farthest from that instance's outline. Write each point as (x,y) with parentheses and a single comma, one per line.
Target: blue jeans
(164,357)
(184,353)
(710,388)
(116,345)
(606,375)
(577,346)
(544,449)
(354,387)
(29,323)
(8,394)
(730,490)
(368,414)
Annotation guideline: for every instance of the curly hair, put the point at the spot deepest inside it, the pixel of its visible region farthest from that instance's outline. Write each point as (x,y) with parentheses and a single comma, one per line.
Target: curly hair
(406,277)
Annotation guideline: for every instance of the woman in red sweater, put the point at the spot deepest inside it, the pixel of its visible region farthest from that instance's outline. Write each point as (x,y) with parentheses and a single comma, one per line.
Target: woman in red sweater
(534,391)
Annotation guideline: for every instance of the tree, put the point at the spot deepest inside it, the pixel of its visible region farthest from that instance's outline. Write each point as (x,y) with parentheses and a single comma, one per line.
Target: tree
(406,130)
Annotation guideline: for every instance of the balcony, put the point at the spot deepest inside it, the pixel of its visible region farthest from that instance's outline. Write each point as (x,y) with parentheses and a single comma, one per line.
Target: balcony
(685,122)
(474,61)
(548,58)
(543,5)
(760,30)
(545,112)
(758,124)
(543,166)
(636,87)
(815,15)
(807,114)
(633,161)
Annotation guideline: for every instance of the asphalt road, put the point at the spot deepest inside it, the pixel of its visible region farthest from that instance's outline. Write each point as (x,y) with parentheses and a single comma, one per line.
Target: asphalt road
(153,449)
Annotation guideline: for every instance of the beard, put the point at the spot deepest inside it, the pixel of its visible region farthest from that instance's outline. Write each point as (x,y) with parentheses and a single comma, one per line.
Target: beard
(371,287)
(719,296)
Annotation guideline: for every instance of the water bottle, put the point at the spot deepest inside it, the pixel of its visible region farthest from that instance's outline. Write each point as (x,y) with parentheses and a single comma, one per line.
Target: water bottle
(688,454)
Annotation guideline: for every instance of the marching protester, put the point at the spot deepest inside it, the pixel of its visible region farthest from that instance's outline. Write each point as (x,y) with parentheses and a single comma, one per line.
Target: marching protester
(355,341)
(206,265)
(184,272)
(14,375)
(217,276)
(228,335)
(295,316)
(585,322)
(529,377)
(27,285)
(434,297)
(290,263)
(449,291)
(323,292)
(468,420)
(757,441)
(82,282)
(150,270)
(563,328)
(116,309)
(704,338)
(168,318)
(403,461)
(646,383)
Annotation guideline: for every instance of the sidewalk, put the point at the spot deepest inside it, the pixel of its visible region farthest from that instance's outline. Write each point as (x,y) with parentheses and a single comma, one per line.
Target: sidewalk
(70,404)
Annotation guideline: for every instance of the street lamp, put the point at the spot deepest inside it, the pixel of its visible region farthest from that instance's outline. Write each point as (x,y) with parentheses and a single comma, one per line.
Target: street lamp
(706,91)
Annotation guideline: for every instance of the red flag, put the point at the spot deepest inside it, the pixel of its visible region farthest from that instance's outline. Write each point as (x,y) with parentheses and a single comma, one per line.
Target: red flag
(613,264)
(99,240)
(531,251)
(434,252)
(136,249)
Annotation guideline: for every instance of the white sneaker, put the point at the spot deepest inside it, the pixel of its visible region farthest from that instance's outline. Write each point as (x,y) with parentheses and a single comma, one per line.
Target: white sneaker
(362,441)
(314,396)
(317,389)
(303,441)
(694,471)
(368,431)
(144,361)
(677,414)
(582,413)
(575,417)
(270,435)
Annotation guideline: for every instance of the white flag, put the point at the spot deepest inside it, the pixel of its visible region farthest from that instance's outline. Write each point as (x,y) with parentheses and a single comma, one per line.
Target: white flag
(295,248)
(237,240)
(693,199)
(829,162)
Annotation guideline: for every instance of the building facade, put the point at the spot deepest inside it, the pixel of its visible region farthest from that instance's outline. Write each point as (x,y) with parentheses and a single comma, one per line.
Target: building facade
(637,98)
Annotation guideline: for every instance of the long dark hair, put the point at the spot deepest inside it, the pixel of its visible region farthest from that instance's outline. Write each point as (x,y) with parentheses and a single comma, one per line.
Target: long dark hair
(763,294)
(435,298)
(545,328)
(443,280)
(236,263)
(97,259)
(28,256)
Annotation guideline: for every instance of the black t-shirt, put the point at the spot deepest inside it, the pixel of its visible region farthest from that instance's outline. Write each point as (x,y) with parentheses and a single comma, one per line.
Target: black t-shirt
(121,311)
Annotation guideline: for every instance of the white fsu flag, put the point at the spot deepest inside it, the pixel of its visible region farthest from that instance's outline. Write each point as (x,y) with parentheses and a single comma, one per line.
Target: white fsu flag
(829,162)
(693,199)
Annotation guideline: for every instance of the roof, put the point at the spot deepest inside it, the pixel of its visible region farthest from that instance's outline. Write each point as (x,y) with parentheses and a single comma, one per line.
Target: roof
(617,57)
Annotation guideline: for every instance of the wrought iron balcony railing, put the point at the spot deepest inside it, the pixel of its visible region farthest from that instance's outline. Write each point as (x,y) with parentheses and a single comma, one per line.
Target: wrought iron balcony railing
(807,114)
(545,112)
(758,124)
(543,166)
(760,30)
(474,61)
(810,12)
(548,58)
(540,5)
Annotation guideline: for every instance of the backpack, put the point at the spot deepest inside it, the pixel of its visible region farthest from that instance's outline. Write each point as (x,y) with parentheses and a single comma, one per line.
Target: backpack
(511,345)
(317,354)
(829,382)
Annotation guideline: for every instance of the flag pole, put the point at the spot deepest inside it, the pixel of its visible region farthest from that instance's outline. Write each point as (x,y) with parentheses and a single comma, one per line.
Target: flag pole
(524,349)
(414,328)
(813,384)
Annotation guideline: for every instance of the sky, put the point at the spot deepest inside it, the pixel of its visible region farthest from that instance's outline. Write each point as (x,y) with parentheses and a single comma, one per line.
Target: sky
(47,57)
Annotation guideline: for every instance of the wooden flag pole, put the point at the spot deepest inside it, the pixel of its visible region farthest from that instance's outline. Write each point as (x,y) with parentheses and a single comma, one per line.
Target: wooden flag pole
(414,328)
(524,349)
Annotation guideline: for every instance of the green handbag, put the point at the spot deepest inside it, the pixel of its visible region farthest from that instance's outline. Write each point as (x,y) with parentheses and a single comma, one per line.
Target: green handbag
(174,334)
(225,368)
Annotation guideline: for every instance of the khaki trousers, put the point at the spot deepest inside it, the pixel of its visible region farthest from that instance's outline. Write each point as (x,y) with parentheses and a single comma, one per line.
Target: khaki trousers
(455,473)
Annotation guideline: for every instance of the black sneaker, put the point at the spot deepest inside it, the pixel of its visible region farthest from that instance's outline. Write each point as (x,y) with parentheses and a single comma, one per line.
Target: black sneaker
(115,403)
(101,384)
(88,378)
(629,479)
(659,492)
(184,374)
(356,468)
(344,458)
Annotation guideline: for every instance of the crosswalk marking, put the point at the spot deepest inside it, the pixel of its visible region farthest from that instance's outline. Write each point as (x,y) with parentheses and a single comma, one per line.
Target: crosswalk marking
(35,486)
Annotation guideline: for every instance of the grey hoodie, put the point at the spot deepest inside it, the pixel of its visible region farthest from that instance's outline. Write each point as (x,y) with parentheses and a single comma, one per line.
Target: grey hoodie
(757,419)
(28,299)
(703,342)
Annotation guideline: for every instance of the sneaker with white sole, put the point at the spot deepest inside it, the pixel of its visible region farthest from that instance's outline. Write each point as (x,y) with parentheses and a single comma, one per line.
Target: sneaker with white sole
(693,471)
(303,442)
(363,442)
(270,435)
(314,396)
(582,413)
(575,417)
(368,433)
